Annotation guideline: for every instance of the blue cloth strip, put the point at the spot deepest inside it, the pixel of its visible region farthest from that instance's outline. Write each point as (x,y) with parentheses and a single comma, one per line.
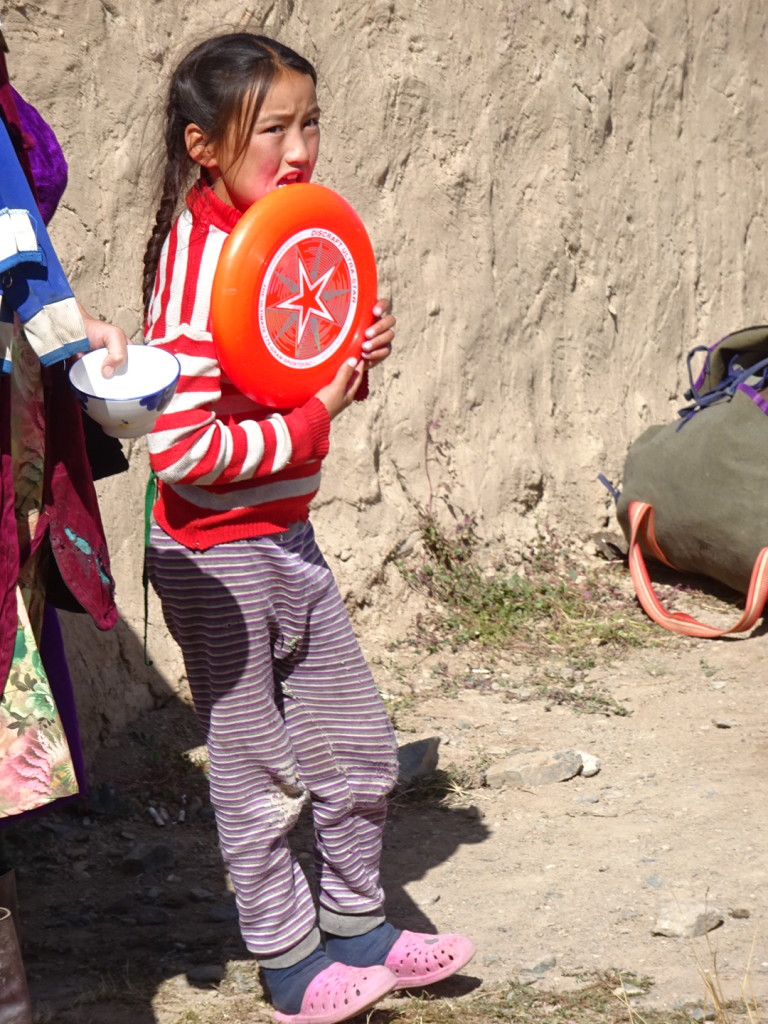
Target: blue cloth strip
(18,240)
(30,287)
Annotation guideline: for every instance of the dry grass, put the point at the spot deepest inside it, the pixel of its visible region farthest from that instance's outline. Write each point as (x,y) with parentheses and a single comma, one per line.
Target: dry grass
(746,1009)
(552,602)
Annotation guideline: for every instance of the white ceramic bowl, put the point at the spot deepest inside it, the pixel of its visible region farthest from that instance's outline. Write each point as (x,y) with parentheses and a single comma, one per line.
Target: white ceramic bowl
(128,403)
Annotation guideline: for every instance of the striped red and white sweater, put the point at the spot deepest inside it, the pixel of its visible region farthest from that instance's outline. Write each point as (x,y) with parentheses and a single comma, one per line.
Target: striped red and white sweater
(227,468)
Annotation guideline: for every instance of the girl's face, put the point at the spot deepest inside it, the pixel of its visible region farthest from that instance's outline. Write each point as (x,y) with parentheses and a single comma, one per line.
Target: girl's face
(282,149)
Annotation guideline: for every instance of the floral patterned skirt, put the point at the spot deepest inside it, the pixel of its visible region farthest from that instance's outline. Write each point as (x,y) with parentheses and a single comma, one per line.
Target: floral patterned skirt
(36,762)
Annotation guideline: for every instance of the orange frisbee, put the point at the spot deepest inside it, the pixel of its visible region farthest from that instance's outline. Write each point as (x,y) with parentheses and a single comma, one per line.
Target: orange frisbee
(293,294)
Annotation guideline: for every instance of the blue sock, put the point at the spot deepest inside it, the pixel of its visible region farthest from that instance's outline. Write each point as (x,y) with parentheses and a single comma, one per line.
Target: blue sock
(287,985)
(363,950)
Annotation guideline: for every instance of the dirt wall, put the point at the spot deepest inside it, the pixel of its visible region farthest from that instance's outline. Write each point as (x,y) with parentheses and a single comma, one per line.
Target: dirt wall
(564,197)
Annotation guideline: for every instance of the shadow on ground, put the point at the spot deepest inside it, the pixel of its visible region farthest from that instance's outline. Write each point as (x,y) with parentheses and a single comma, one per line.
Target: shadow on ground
(122,914)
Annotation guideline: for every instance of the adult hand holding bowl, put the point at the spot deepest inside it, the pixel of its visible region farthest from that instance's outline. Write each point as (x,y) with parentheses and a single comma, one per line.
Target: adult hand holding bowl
(128,403)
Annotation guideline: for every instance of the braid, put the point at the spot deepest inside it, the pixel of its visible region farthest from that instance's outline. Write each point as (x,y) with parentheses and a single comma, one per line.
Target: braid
(209,89)
(166,211)
(177,168)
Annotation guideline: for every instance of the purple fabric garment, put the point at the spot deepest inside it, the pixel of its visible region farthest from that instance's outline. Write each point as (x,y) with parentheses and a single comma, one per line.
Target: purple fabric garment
(54,661)
(10,116)
(45,155)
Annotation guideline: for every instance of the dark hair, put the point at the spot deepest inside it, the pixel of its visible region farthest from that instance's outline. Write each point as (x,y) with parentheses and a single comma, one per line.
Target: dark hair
(209,88)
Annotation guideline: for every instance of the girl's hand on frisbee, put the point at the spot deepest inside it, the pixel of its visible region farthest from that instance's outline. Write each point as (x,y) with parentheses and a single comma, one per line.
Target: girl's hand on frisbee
(340,393)
(380,335)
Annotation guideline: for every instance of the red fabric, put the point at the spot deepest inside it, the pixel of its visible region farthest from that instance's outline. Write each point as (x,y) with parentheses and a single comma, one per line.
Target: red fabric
(70,517)
(227,468)
(9,549)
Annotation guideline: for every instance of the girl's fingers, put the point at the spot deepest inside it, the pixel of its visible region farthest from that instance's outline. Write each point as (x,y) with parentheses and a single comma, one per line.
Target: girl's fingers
(354,383)
(385,323)
(378,348)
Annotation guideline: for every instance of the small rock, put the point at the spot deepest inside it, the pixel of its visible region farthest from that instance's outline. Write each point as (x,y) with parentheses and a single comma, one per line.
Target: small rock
(417,760)
(542,966)
(174,900)
(590,764)
(155,52)
(206,974)
(722,723)
(611,546)
(428,900)
(200,895)
(535,768)
(739,913)
(151,916)
(687,920)
(222,912)
(628,991)
(155,816)
(153,857)
(697,1013)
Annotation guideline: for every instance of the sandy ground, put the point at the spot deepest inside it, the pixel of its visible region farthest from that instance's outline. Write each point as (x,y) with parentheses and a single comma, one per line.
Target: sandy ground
(550,881)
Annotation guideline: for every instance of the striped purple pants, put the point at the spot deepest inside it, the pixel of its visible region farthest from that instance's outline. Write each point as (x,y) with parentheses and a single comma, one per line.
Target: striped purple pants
(290,708)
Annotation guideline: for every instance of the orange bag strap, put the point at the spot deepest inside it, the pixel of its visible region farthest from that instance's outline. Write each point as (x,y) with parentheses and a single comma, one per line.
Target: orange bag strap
(642,529)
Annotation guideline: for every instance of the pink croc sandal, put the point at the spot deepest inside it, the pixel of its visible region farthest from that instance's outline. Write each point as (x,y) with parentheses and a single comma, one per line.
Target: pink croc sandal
(417,959)
(340,992)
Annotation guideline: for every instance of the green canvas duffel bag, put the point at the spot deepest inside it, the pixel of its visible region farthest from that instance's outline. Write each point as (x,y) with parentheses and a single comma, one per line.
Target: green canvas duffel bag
(695,492)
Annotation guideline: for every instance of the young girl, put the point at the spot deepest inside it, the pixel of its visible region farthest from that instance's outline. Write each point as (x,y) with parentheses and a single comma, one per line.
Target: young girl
(278,679)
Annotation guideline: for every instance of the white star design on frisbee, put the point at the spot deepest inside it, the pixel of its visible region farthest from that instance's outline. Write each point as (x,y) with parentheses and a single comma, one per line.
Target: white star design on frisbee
(307,301)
